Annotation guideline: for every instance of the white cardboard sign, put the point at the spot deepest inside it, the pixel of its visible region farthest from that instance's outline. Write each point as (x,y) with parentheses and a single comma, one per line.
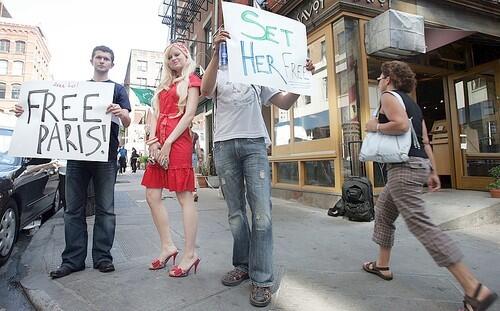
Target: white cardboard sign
(63,120)
(266,49)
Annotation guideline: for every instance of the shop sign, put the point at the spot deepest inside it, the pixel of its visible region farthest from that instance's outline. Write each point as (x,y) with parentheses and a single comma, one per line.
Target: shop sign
(311,9)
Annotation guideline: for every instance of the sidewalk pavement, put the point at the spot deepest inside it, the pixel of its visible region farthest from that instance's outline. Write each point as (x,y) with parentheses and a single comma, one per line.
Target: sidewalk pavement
(317,260)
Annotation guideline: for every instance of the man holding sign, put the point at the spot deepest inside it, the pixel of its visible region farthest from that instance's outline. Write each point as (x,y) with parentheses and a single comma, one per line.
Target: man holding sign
(240,150)
(78,175)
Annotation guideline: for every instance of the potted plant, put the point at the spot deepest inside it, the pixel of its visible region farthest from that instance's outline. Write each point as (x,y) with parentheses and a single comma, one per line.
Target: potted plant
(494,187)
(202,177)
(142,162)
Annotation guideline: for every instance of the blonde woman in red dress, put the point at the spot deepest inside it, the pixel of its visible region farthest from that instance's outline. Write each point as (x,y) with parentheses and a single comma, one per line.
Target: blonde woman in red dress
(170,146)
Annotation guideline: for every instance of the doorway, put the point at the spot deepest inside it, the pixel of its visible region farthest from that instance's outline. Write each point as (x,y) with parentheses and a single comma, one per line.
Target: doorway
(431,99)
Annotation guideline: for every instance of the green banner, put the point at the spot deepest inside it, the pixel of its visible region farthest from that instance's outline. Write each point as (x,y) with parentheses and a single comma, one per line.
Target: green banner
(144,95)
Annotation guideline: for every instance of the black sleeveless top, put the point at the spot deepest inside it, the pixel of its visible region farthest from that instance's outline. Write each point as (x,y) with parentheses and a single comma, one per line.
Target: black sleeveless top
(415,113)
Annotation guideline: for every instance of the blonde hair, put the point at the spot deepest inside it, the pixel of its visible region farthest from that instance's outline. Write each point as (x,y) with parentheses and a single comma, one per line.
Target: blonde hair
(168,79)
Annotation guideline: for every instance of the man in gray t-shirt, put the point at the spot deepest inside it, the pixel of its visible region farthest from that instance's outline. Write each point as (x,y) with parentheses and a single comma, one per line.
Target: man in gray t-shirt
(240,153)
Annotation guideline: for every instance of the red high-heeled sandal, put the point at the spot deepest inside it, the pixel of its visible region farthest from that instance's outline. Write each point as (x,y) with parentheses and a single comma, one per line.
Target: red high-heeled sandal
(177,272)
(157,264)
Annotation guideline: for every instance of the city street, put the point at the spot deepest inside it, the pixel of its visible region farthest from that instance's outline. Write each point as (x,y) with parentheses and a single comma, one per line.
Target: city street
(12,296)
(317,261)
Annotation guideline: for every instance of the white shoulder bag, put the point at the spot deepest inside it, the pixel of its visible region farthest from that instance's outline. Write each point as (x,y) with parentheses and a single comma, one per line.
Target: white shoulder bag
(383,148)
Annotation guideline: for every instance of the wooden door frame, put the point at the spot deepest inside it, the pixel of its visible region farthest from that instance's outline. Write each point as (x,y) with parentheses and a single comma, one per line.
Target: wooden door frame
(462,181)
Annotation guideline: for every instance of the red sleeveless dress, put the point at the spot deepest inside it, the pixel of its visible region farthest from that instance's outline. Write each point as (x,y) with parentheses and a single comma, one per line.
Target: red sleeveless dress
(179,175)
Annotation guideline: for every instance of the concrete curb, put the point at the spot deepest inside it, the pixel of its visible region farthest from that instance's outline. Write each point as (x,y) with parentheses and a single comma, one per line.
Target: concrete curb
(41,300)
(486,216)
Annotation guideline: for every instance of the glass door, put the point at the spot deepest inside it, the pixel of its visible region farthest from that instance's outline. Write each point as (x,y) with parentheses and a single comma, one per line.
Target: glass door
(476,118)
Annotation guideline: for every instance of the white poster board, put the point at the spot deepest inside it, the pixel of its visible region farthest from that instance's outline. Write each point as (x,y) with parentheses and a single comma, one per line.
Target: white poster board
(266,49)
(63,120)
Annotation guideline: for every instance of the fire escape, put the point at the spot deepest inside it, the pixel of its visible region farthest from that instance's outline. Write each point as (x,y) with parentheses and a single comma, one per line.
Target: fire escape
(180,15)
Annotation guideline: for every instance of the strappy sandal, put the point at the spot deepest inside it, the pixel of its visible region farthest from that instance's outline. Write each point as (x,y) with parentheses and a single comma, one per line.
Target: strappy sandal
(479,305)
(158,264)
(371,267)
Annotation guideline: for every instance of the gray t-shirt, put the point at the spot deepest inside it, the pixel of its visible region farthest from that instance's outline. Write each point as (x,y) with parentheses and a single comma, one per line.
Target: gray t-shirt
(238,110)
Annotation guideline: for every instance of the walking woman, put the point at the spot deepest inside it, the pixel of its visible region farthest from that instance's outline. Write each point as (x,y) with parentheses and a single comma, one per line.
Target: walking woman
(170,148)
(403,191)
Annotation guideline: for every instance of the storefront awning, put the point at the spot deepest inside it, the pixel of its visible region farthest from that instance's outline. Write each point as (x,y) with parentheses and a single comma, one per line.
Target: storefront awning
(436,38)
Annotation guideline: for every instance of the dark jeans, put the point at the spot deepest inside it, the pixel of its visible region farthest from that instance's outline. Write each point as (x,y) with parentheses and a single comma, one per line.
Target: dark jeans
(133,165)
(123,164)
(78,175)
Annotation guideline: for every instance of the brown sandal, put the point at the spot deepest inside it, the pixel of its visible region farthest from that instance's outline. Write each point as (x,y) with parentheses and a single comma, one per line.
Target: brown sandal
(371,267)
(479,305)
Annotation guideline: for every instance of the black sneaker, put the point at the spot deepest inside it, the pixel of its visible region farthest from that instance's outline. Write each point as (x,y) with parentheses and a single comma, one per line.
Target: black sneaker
(260,296)
(105,267)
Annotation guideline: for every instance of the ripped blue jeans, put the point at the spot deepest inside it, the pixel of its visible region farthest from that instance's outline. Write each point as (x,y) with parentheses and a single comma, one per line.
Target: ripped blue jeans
(243,169)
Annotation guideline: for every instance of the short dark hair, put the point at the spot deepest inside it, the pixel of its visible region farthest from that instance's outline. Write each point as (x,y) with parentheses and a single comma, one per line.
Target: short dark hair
(402,77)
(105,49)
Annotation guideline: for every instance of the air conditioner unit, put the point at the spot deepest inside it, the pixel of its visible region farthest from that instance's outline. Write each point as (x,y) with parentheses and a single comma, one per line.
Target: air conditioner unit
(395,34)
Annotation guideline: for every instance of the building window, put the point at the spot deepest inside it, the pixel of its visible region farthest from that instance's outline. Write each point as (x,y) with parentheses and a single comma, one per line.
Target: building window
(319,173)
(347,47)
(3,66)
(2,90)
(142,81)
(20,47)
(18,68)
(142,66)
(323,50)
(4,46)
(288,172)
(16,89)
(192,50)
(281,126)
(208,39)
(311,119)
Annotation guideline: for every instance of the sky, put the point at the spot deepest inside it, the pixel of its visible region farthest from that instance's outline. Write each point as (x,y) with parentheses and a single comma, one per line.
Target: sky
(74,27)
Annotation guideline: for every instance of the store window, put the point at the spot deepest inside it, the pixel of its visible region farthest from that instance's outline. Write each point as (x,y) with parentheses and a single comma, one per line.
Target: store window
(346,48)
(3,67)
(18,68)
(4,46)
(379,169)
(20,47)
(311,113)
(2,90)
(319,173)
(281,126)
(288,172)
(16,89)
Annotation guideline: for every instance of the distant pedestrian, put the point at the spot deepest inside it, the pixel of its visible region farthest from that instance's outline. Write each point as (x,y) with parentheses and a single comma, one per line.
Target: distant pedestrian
(196,155)
(78,175)
(240,140)
(133,160)
(170,146)
(402,194)
(122,159)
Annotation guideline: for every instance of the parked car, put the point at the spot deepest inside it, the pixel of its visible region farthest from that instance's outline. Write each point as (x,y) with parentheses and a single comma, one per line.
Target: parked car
(28,192)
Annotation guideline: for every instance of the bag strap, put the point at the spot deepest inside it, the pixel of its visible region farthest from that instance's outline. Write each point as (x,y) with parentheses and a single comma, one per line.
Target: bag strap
(414,136)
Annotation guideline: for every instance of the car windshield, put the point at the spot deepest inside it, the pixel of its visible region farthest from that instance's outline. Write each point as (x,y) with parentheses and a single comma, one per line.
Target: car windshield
(5,159)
